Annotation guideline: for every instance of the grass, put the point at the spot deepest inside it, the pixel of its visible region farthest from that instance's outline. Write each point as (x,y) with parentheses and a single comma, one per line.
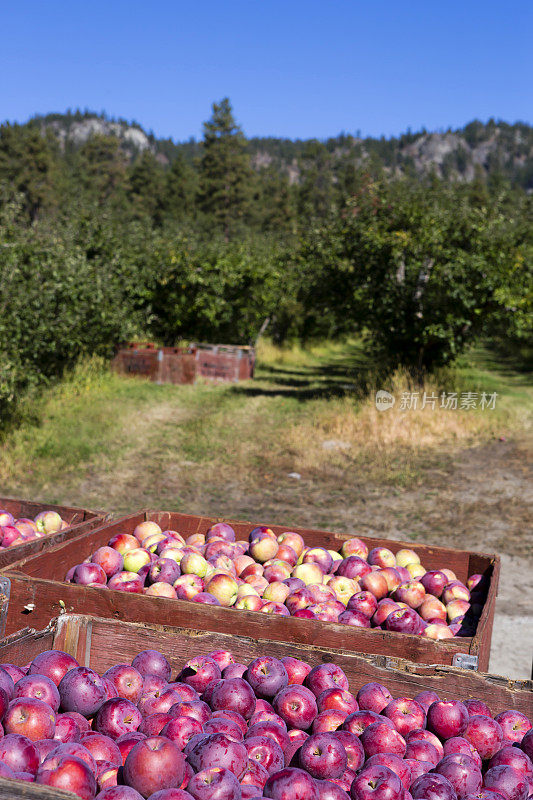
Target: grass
(119,443)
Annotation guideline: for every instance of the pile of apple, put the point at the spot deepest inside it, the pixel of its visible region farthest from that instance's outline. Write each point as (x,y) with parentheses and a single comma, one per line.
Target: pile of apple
(280,575)
(274,728)
(18,531)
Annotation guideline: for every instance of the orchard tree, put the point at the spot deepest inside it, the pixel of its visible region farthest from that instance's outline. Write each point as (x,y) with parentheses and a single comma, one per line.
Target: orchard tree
(226,176)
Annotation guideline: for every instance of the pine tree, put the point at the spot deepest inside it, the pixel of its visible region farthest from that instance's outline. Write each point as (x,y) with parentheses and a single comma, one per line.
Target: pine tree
(181,189)
(226,176)
(28,167)
(102,167)
(146,186)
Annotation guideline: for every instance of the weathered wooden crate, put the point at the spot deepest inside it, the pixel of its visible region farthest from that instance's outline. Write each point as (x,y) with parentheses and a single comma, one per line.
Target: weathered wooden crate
(222,362)
(101,643)
(80,521)
(38,582)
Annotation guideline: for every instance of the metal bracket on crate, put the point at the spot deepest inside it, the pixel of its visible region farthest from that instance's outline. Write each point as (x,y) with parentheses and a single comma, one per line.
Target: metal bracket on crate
(5,591)
(465,661)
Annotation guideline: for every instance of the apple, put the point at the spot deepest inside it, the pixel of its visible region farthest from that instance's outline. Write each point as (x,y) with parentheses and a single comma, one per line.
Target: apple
(291,784)
(355,618)
(323,756)
(199,672)
(217,750)
(353,567)
(410,592)
(277,570)
(514,725)
(19,753)
(426,736)
(263,547)
(296,670)
(338,699)
(384,608)
(145,529)
(266,751)
(377,782)
(276,592)
(67,772)
(37,686)
(406,715)
(152,662)
(84,574)
(455,590)
(320,556)
(152,764)
(462,772)
(373,697)
(343,587)
(424,751)
(438,631)
(293,540)
(194,564)
(156,542)
(354,547)
(110,560)
(249,603)
(447,718)
(506,780)
(512,757)
(296,705)
(382,738)
(328,721)
(381,557)
(458,744)
(48,522)
(161,589)
(224,588)
(126,582)
(432,786)
(288,554)
(404,620)
(484,734)
(415,571)
(234,694)
(29,717)
(375,583)
(434,582)
(164,569)
(431,608)
(267,676)
(309,573)
(187,586)
(67,729)
(404,557)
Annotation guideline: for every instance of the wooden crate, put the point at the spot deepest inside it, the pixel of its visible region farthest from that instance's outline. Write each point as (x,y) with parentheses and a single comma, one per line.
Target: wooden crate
(101,643)
(34,582)
(222,362)
(80,521)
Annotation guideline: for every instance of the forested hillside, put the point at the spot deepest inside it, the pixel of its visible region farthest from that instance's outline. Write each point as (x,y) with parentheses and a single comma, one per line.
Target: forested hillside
(420,244)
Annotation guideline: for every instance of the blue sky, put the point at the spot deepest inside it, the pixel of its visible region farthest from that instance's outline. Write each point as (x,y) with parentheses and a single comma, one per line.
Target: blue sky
(292,68)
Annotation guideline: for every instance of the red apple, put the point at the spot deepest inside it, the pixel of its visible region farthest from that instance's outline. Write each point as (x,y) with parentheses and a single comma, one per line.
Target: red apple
(381,557)
(153,764)
(406,715)
(326,676)
(447,718)
(381,738)
(377,783)
(296,670)
(432,787)
(373,697)
(30,717)
(462,772)
(67,772)
(296,705)
(514,725)
(291,784)
(39,687)
(323,756)
(508,781)
(485,734)
(19,753)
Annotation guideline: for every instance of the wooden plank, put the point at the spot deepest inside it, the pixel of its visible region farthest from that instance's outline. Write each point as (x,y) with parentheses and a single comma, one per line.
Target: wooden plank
(49,568)
(22,790)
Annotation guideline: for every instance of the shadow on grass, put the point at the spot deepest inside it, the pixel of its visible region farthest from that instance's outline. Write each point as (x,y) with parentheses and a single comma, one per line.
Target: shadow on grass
(350,372)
